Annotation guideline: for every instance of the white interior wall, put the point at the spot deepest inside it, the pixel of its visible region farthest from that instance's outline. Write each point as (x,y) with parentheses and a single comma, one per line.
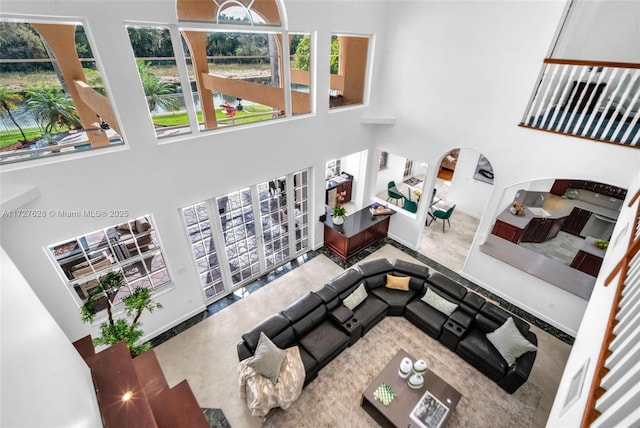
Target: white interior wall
(449,73)
(45,382)
(439,108)
(616,27)
(147,177)
(587,344)
(458,81)
(470,195)
(393,172)
(351,165)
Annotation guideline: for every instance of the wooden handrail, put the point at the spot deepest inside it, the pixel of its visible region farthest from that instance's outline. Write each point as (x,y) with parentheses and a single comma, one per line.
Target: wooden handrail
(621,269)
(591,63)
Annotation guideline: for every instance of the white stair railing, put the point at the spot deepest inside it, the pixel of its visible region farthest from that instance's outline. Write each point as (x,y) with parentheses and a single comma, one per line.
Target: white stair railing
(615,391)
(587,99)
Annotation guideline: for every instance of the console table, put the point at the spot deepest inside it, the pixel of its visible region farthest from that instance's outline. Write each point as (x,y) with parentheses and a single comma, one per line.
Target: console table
(360,229)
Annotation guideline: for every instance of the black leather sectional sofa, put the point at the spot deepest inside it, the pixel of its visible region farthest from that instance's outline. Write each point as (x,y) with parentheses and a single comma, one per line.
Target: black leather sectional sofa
(322,326)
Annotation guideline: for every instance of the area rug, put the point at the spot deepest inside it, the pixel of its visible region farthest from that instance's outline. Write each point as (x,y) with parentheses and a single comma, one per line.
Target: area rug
(333,398)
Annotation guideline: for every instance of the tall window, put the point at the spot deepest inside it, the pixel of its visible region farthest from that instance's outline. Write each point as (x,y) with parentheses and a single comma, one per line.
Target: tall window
(244,234)
(52,95)
(242,81)
(160,79)
(300,46)
(237,221)
(196,218)
(349,57)
(301,210)
(132,248)
(240,75)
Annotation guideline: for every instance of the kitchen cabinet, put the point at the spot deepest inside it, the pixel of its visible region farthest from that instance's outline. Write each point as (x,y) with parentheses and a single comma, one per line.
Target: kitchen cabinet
(541,229)
(344,185)
(587,263)
(589,257)
(507,231)
(360,230)
(561,186)
(576,221)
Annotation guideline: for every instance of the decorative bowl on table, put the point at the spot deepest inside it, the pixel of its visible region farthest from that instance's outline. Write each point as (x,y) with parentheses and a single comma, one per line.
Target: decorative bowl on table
(601,243)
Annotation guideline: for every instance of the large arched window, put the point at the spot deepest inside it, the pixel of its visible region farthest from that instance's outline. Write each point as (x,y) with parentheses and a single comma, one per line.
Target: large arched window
(251,12)
(244,75)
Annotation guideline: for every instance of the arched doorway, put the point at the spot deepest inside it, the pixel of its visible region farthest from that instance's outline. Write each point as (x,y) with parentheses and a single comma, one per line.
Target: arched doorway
(464,179)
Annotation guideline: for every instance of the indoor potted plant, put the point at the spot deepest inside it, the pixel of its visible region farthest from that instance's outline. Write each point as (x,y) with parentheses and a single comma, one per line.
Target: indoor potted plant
(339,211)
(113,331)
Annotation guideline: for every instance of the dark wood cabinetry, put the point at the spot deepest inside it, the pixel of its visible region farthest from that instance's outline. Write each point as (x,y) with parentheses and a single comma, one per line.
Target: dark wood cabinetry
(541,229)
(537,230)
(345,186)
(507,231)
(587,263)
(359,230)
(576,221)
(560,187)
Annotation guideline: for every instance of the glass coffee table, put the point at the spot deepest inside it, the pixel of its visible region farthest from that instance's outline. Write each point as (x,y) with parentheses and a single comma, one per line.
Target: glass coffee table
(432,412)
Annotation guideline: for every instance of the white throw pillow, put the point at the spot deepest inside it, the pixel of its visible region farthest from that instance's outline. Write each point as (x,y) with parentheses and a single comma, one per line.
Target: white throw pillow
(510,342)
(268,358)
(438,302)
(356,297)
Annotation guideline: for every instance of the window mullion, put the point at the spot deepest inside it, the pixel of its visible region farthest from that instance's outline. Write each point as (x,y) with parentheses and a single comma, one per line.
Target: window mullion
(285,56)
(257,215)
(189,102)
(217,234)
(291,209)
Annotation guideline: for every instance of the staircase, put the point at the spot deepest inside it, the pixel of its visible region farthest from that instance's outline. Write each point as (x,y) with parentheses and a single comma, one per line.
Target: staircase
(134,391)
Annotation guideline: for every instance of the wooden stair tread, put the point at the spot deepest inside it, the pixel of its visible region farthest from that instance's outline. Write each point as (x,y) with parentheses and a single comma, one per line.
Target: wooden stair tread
(150,374)
(113,375)
(177,407)
(85,347)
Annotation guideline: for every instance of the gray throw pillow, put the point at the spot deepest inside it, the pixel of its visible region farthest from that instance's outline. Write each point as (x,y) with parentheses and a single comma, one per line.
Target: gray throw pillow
(268,358)
(356,297)
(433,299)
(510,342)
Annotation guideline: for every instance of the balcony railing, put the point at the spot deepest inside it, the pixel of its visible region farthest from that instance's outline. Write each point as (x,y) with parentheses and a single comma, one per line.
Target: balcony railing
(594,100)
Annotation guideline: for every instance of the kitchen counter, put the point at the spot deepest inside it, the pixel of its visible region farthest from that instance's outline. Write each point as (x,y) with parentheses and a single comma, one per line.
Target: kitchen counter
(360,229)
(557,207)
(589,246)
(540,266)
(356,222)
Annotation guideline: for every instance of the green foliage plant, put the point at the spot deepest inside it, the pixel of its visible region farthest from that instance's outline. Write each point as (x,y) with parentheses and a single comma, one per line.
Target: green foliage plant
(126,328)
(52,108)
(156,89)
(9,100)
